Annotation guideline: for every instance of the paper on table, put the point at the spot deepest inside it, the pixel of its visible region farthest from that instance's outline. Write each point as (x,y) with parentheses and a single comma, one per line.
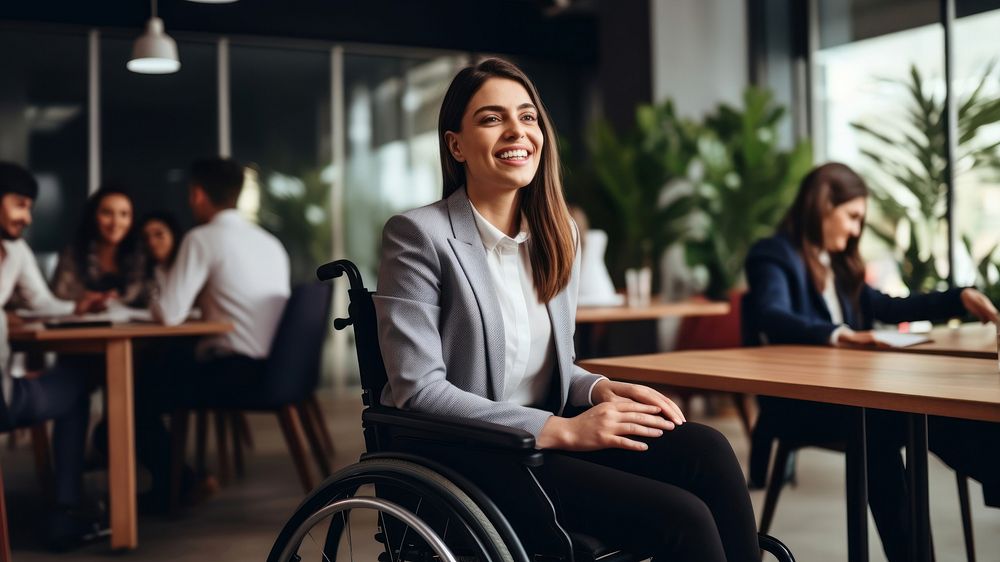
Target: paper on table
(896,339)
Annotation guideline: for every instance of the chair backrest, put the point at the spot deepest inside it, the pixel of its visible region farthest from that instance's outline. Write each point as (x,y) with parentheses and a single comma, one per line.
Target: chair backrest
(293,365)
(361,314)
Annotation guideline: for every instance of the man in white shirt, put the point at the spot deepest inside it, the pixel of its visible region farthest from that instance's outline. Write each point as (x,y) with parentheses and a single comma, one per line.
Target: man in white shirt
(235,272)
(61,394)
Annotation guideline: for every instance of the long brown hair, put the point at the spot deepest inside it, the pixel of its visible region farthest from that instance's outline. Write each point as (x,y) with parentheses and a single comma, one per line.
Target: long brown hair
(552,247)
(824,188)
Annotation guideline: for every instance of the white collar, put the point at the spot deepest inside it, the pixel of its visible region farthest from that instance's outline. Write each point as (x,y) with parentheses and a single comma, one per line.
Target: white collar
(493,236)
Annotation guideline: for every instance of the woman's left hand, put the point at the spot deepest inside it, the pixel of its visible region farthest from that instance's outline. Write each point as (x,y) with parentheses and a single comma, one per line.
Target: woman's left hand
(979,306)
(614,391)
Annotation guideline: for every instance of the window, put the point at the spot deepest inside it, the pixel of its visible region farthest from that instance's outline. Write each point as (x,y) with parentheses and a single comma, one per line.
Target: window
(280,101)
(154,126)
(43,126)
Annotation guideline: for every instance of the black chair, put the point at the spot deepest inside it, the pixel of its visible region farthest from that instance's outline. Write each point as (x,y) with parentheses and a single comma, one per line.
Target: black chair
(782,470)
(291,376)
(428,510)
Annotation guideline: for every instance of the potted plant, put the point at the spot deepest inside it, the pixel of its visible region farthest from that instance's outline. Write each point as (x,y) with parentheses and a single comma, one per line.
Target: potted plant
(744,183)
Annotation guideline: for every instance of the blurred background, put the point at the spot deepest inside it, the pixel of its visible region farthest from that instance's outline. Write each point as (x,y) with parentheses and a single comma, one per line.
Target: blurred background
(684,125)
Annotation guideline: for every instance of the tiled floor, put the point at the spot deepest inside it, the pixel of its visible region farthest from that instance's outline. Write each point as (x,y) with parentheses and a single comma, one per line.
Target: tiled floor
(241,522)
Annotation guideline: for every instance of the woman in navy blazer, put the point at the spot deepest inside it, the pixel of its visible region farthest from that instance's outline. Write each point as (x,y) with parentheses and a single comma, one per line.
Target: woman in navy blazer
(807,287)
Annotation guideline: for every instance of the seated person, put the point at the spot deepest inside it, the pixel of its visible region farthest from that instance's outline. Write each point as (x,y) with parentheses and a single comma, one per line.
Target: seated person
(105,258)
(235,272)
(476,302)
(60,394)
(807,286)
(161,238)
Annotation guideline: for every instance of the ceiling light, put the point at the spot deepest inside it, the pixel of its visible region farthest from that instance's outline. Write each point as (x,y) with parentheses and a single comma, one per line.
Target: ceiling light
(154,52)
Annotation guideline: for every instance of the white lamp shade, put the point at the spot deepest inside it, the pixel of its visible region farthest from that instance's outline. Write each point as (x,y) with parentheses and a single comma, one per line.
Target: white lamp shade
(154,52)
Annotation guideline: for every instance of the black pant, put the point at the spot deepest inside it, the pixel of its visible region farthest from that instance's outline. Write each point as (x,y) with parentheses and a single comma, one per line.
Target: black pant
(60,394)
(968,446)
(683,499)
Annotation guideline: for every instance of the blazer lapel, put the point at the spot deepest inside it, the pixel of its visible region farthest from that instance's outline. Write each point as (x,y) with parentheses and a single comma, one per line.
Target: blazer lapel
(468,247)
(559,314)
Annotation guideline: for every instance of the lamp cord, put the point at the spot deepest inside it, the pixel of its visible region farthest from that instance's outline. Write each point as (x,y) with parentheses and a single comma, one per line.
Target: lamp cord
(153,2)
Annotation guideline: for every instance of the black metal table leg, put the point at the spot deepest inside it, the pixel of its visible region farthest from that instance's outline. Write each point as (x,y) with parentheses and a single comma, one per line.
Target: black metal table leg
(916,469)
(857,491)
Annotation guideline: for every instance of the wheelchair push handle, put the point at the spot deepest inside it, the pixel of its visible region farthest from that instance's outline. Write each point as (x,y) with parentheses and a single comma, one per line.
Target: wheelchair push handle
(334,270)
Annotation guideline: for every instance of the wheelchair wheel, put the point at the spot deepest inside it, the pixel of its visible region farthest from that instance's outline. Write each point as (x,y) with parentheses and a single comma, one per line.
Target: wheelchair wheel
(392,510)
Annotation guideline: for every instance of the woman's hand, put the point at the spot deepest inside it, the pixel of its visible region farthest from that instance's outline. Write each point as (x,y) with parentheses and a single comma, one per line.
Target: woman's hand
(979,305)
(614,391)
(604,426)
(850,338)
(91,302)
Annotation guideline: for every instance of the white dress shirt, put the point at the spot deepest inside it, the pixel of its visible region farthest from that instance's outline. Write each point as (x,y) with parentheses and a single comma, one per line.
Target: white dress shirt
(529,357)
(19,272)
(832,300)
(238,272)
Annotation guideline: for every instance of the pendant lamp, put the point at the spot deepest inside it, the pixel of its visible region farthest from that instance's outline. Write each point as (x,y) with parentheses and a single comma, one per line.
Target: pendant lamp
(154,52)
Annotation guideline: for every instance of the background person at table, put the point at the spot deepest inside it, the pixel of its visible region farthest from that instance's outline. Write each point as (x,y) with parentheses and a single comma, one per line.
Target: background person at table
(476,301)
(807,287)
(161,237)
(236,272)
(60,394)
(105,258)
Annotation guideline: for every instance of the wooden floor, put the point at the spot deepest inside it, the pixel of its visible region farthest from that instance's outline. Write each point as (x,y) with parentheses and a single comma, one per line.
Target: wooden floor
(241,522)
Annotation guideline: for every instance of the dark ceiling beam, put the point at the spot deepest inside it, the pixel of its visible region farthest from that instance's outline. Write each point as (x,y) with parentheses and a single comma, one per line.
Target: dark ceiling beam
(513,27)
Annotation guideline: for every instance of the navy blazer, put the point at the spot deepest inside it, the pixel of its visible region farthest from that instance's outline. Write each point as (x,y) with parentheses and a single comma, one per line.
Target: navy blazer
(784,305)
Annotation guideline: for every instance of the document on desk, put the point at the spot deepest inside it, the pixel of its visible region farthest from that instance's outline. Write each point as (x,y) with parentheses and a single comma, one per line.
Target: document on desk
(897,339)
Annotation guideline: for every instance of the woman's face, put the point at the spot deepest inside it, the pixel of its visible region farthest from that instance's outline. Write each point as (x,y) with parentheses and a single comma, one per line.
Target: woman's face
(114,218)
(842,223)
(159,240)
(501,139)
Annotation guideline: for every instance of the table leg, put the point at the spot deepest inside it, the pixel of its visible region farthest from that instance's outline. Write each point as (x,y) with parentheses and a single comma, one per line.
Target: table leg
(121,445)
(4,537)
(921,549)
(857,491)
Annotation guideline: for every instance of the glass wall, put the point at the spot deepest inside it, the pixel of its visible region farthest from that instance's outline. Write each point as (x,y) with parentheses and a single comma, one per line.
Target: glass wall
(877,106)
(977,186)
(43,125)
(281,129)
(391,107)
(154,126)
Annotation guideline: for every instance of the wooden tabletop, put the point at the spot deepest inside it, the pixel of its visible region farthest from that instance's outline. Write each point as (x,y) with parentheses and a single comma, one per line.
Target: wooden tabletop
(968,340)
(937,385)
(652,311)
(35,331)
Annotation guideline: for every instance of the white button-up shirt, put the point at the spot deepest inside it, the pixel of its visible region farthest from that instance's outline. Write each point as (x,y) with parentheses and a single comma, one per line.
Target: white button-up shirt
(239,273)
(529,358)
(832,300)
(19,271)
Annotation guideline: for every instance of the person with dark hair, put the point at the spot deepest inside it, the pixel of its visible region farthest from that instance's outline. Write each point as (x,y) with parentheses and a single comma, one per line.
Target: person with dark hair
(807,286)
(235,272)
(60,394)
(161,237)
(476,302)
(105,260)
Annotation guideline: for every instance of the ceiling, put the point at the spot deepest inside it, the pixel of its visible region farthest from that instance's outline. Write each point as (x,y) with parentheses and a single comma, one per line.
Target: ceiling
(550,29)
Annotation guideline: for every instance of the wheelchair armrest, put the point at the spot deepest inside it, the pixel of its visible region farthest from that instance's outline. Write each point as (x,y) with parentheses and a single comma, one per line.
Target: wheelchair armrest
(451,429)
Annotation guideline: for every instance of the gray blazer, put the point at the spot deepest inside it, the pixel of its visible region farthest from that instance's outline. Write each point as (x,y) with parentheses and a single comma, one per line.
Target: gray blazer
(440,326)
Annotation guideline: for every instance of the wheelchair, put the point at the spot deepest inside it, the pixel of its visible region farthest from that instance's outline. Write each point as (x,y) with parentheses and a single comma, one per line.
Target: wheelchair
(410,505)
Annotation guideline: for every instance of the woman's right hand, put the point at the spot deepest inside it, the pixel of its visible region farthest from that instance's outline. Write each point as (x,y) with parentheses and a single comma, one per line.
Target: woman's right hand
(604,426)
(851,338)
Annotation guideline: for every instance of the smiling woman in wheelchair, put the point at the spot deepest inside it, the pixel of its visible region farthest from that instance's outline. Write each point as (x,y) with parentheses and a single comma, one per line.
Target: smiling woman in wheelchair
(476,304)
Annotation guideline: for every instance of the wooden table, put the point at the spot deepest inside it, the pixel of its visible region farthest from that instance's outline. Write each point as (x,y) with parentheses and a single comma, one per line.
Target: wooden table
(919,385)
(115,343)
(968,340)
(652,311)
